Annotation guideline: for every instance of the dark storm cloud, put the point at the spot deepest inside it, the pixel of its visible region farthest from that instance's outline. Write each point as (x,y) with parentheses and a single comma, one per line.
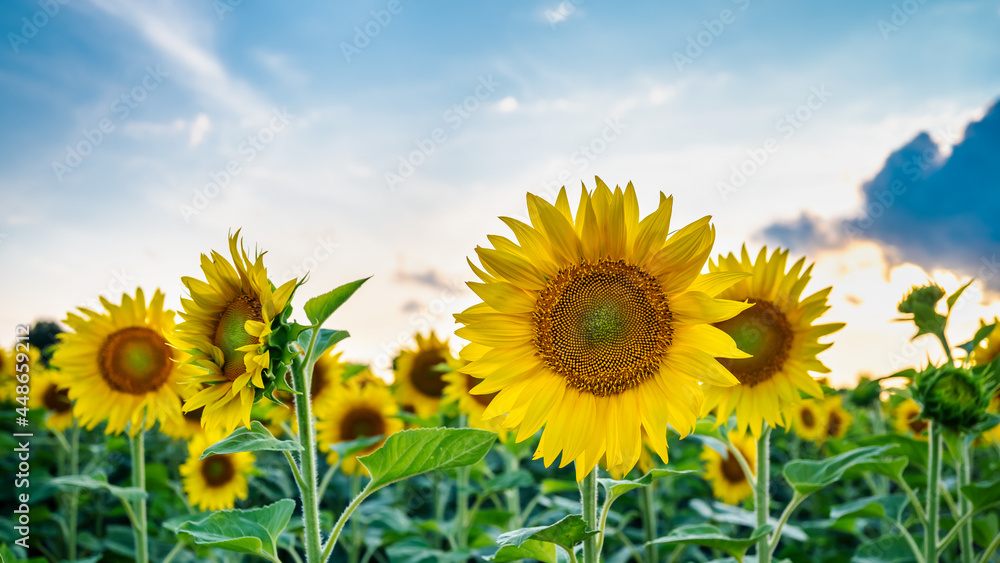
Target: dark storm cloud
(931,210)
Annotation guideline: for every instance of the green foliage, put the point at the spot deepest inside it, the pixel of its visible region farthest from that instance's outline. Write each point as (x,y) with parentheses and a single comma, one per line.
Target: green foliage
(565,533)
(412,452)
(254,439)
(807,476)
(319,308)
(710,536)
(252,531)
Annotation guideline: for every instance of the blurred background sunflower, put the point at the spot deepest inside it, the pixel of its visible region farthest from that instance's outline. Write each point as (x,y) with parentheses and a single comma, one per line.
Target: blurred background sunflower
(729,482)
(838,420)
(906,420)
(597,326)
(218,481)
(47,394)
(118,366)
(419,374)
(807,419)
(779,335)
(989,349)
(227,320)
(359,408)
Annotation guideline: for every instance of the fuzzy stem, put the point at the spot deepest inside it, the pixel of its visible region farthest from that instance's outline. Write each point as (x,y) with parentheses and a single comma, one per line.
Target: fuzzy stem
(588,502)
(140,527)
(74,495)
(301,375)
(933,493)
(354,552)
(965,506)
(762,495)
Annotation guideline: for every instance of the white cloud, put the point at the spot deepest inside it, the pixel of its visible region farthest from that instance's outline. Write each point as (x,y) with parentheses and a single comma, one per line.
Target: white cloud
(507,104)
(201,125)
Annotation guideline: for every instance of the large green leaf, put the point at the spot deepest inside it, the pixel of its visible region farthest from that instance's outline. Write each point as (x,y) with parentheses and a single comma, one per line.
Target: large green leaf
(532,550)
(412,452)
(887,507)
(980,335)
(710,536)
(319,308)
(325,340)
(618,487)
(729,514)
(257,438)
(983,495)
(808,476)
(565,533)
(245,531)
(891,468)
(912,449)
(100,482)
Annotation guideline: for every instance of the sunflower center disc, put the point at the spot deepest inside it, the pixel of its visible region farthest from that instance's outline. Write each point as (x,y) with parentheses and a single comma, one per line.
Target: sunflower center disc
(135,360)
(807,418)
(604,326)
(195,415)
(217,470)
(471,382)
(361,422)
(425,376)
(57,400)
(763,331)
(731,469)
(230,335)
(833,424)
(917,425)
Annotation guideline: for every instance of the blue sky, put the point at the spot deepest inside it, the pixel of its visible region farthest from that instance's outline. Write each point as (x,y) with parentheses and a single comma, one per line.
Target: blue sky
(503,99)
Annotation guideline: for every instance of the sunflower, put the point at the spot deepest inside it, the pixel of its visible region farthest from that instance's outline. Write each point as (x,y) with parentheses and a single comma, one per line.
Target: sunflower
(597,327)
(808,420)
(729,483)
(420,373)
(838,420)
(118,367)
(46,393)
(226,326)
(12,364)
(778,332)
(188,425)
(216,482)
(359,408)
(906,418)
(459,390)
(988,349)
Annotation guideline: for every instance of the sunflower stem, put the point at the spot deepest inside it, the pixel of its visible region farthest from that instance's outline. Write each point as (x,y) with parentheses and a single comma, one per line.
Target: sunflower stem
(588,501)
(74,495)
(307,458)
(462,499)
(762,493)
(965,506)
(933,493)
(140,528)
(513,495)
(649,520)
(354,553)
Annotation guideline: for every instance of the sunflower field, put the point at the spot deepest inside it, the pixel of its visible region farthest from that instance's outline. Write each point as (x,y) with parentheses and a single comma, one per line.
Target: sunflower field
(622,391)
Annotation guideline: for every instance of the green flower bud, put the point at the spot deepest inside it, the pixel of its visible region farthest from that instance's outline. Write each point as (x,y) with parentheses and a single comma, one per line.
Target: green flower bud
(927,296)
(951,397)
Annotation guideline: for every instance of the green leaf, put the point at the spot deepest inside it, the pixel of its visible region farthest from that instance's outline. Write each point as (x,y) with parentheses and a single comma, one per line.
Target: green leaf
(912,449)
(100,482)
(980,335)
(887,507)
(618,487)
(982,495)
(531,550)
(891,468)
(325,340)
(953,298)
(351,447)
(245,531)
(710,536)
(885,549)
(507,480)
(319,308)
(257,438)
(808,476)
(729,514)
(412,452)
(565,533)
(550,486)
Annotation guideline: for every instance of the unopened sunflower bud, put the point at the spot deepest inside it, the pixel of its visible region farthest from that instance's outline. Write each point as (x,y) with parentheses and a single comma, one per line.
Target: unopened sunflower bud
(952,397)
(927,295)
(866,393)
